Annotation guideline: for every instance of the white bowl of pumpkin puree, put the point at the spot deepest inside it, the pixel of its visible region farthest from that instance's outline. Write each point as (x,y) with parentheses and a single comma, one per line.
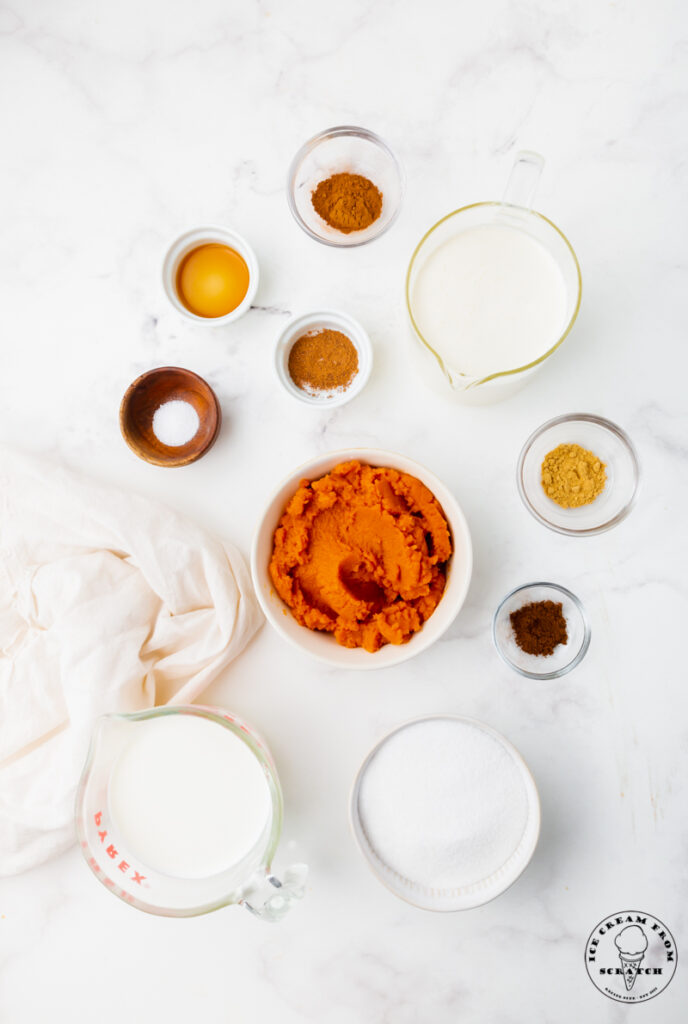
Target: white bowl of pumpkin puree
(362,558)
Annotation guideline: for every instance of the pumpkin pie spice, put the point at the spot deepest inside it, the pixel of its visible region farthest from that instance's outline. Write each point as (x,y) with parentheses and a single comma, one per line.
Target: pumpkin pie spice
(347,202)
(323,361)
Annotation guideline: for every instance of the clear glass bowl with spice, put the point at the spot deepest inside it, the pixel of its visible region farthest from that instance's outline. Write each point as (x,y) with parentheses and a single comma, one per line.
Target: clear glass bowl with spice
(541,630)
(323,358)
(578,474)
(345,186)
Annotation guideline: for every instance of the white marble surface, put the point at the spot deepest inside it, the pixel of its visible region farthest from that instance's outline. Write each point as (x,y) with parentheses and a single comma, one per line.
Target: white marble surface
(124,124)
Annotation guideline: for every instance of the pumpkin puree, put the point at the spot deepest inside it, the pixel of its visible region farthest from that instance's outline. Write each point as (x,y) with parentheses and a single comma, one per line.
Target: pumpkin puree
(361,553)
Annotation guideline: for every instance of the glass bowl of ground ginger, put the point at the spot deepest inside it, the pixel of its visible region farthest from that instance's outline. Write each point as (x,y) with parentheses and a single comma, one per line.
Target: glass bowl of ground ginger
(345,186)
(578,474)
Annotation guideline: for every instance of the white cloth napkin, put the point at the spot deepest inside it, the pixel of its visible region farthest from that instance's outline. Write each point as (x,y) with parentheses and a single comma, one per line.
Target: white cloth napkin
(108,602)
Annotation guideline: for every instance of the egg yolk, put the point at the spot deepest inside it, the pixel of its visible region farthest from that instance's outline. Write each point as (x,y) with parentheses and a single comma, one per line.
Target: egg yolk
(212,280)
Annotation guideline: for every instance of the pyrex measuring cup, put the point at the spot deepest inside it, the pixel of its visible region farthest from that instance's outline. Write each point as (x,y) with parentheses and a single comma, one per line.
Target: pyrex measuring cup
(248,882)
(513,211)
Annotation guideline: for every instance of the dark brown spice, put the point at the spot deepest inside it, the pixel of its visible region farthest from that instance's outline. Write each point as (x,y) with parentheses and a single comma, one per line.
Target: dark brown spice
(347,202)
(539,627)
(323,361)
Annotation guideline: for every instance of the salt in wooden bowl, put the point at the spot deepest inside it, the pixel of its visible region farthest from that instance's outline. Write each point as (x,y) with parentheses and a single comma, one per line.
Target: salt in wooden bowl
(153,389)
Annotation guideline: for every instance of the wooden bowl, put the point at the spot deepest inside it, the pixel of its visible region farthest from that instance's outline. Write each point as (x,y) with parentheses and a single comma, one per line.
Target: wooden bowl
(148,393)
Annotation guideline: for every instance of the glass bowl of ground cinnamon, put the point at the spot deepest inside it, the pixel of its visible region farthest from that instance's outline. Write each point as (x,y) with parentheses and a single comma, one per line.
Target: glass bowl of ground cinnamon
(323,358)
(578,474)
(345,186)
(541,630)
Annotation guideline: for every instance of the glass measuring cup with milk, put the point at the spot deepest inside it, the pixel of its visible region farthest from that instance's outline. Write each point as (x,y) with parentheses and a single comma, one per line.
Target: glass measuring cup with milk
(179,812)
(492,290)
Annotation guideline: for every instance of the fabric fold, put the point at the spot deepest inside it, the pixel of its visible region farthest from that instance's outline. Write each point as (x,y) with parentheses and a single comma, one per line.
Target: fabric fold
(108,602)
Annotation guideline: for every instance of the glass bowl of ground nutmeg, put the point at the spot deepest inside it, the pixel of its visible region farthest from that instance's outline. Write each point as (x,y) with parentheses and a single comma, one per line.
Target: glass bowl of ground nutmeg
(541,630)
(578,474)
(345,186)
(323,358)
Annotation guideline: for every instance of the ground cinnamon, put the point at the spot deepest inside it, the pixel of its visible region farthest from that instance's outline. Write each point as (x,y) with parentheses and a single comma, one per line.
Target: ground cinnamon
(539,627)
(347,202)
(323,361)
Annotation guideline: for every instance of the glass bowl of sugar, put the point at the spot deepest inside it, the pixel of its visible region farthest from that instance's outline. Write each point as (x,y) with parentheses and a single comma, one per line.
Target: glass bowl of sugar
(445,813)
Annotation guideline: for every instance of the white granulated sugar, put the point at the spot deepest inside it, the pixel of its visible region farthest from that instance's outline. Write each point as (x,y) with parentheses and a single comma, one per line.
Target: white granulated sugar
(175,423)
(443,804)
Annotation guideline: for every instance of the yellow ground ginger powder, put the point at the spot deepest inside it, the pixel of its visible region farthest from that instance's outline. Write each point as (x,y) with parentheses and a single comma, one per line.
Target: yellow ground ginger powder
(572,476)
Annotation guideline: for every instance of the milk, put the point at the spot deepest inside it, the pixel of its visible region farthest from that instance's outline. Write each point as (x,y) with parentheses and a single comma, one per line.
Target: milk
(188,797)
(491,298)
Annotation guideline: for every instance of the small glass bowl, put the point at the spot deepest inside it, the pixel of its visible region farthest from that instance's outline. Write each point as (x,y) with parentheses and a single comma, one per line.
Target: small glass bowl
(336,151)
(566,656)
(611,444)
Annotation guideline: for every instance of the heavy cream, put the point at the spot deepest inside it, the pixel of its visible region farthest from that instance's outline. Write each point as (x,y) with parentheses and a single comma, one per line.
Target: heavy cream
(491,298)
(188,797)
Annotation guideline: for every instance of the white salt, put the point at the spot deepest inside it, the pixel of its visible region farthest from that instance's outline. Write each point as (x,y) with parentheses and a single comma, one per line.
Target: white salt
(175,423)
(443,803)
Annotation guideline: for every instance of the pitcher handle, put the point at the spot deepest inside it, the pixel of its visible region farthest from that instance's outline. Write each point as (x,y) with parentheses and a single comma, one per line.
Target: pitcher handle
(524,179)
(269,898)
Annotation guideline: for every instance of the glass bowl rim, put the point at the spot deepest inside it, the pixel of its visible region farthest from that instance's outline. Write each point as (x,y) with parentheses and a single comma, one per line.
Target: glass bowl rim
(582,650)
(518,369)
(308,146)
(599,421)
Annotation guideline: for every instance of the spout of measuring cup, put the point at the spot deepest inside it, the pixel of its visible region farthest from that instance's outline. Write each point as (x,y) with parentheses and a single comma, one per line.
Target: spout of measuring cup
(269,898)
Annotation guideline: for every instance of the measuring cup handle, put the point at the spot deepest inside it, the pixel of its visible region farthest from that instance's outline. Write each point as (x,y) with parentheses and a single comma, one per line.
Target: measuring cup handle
(269,898)
(524,179)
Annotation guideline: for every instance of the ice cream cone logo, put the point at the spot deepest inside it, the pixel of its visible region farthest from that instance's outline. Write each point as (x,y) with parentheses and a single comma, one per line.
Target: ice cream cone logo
(630,966)
(631,943)
(631,956)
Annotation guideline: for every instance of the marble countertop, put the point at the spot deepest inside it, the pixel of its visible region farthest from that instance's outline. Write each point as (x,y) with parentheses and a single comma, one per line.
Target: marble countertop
(125,124)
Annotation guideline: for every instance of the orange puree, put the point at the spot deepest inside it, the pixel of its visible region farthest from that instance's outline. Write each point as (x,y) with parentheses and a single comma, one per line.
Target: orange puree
(362,553)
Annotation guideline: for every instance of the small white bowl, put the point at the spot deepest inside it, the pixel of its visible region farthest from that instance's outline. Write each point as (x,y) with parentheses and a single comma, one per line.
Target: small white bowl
(465,897)
(327,319)
(205,236)
(323,645)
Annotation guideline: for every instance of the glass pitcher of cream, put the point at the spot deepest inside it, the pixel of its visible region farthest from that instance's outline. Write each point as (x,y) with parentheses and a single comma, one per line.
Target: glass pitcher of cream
(492,290)
(179,812)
